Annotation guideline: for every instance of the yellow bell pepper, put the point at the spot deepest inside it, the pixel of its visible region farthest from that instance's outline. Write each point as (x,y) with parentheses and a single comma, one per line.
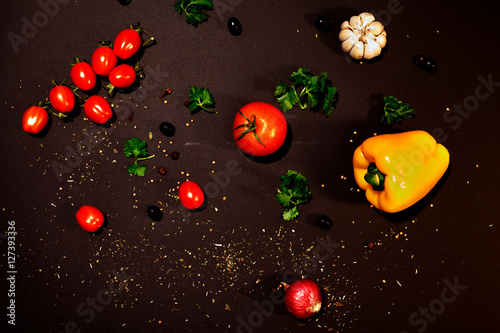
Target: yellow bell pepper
(397,170)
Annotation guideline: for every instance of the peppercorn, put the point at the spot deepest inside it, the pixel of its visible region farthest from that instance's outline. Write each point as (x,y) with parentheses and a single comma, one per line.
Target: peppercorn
(174,155)
(186,103)
(162,171)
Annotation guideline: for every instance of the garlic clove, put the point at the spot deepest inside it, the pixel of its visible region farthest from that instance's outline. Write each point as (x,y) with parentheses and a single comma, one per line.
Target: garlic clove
(366,18)
(375,28)
(372,49)
(346,34)
(381,40)
(348,44)
(345,25)
(355,22)
(357,50)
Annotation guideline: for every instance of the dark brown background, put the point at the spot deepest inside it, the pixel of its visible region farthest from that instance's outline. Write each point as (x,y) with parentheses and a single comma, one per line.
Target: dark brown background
(180,276)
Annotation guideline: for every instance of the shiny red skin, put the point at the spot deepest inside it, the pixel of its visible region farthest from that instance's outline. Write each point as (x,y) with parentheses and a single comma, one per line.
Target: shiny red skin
(122,76)
(62,98)
(35,118)
(104,60)
(90,218)
(97,109)
(271,129)
(127,43)
(191,195)
(303,298)
(83,76)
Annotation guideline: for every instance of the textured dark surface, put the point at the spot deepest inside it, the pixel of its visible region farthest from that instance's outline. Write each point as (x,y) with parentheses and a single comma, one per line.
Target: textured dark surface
(188,273)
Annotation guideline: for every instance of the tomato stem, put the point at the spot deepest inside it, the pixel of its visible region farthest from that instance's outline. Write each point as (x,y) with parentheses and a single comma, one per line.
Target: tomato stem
(251,126)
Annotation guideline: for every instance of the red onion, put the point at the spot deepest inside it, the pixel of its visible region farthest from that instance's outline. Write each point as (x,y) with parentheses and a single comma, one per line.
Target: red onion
(302,298)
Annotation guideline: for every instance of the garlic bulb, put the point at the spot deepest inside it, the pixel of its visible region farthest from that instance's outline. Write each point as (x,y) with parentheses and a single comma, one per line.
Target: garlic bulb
(362,36)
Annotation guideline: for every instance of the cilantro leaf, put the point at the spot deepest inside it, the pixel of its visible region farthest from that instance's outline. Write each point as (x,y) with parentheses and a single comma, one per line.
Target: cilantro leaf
(293,190)
(396,111)
(195,10)
(201,98)
(135,147)
(307,91)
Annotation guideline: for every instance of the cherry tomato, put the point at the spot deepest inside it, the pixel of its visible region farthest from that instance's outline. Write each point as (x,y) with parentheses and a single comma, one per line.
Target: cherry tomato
(97,109)
(122,76)
(127,43)
(103,60)
(83,76)
(259,129)
(191,195)
(35,118)
(89,218)
(62,98)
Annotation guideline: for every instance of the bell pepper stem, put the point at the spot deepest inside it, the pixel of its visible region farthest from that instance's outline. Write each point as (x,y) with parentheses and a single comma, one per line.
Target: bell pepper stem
(374,177)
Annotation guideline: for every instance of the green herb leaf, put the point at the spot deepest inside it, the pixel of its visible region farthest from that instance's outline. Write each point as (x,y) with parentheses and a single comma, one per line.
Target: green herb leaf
(396,111)
(293,190)
(201,98)
(307,91)
(135,147)
(195,10)
(137,169)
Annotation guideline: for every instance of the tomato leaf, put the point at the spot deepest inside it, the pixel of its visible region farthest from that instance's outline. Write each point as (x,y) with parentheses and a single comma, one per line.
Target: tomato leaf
(201,98)
(293,190)
(195,10)
(135,147)
(307,91)
(395,111)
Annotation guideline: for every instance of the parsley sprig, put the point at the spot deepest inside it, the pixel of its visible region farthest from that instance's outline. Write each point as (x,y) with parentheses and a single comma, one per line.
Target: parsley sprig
(137,148)
(396,111)
(293,191)
(195,10)
(201,98)
(307,91)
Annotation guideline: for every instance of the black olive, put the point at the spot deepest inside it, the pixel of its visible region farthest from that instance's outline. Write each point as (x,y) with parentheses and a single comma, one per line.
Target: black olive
(234,26)
(425,63)
(324,222)
(154,213)
(323,23)
(124,2)
(167,129)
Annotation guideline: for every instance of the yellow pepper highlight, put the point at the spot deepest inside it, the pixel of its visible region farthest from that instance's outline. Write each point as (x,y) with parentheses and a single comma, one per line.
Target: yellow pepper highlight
(412,162)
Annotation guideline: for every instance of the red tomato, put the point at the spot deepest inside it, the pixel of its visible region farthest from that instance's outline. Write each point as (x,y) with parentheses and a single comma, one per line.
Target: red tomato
(103,60)
(97,109)
(89,218)
(127,43)
(35,118)
(83,76)
(62,98)
(263,121)
(191,195)
(122,76)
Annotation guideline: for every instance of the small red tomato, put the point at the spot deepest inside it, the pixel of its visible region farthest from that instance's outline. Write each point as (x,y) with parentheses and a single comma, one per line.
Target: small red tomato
(259,129)
(103,60)
(191,195)
(62,98)
(97,109)
(83,76)
(90,218)
(35,118)
(122,76)
(127,43)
